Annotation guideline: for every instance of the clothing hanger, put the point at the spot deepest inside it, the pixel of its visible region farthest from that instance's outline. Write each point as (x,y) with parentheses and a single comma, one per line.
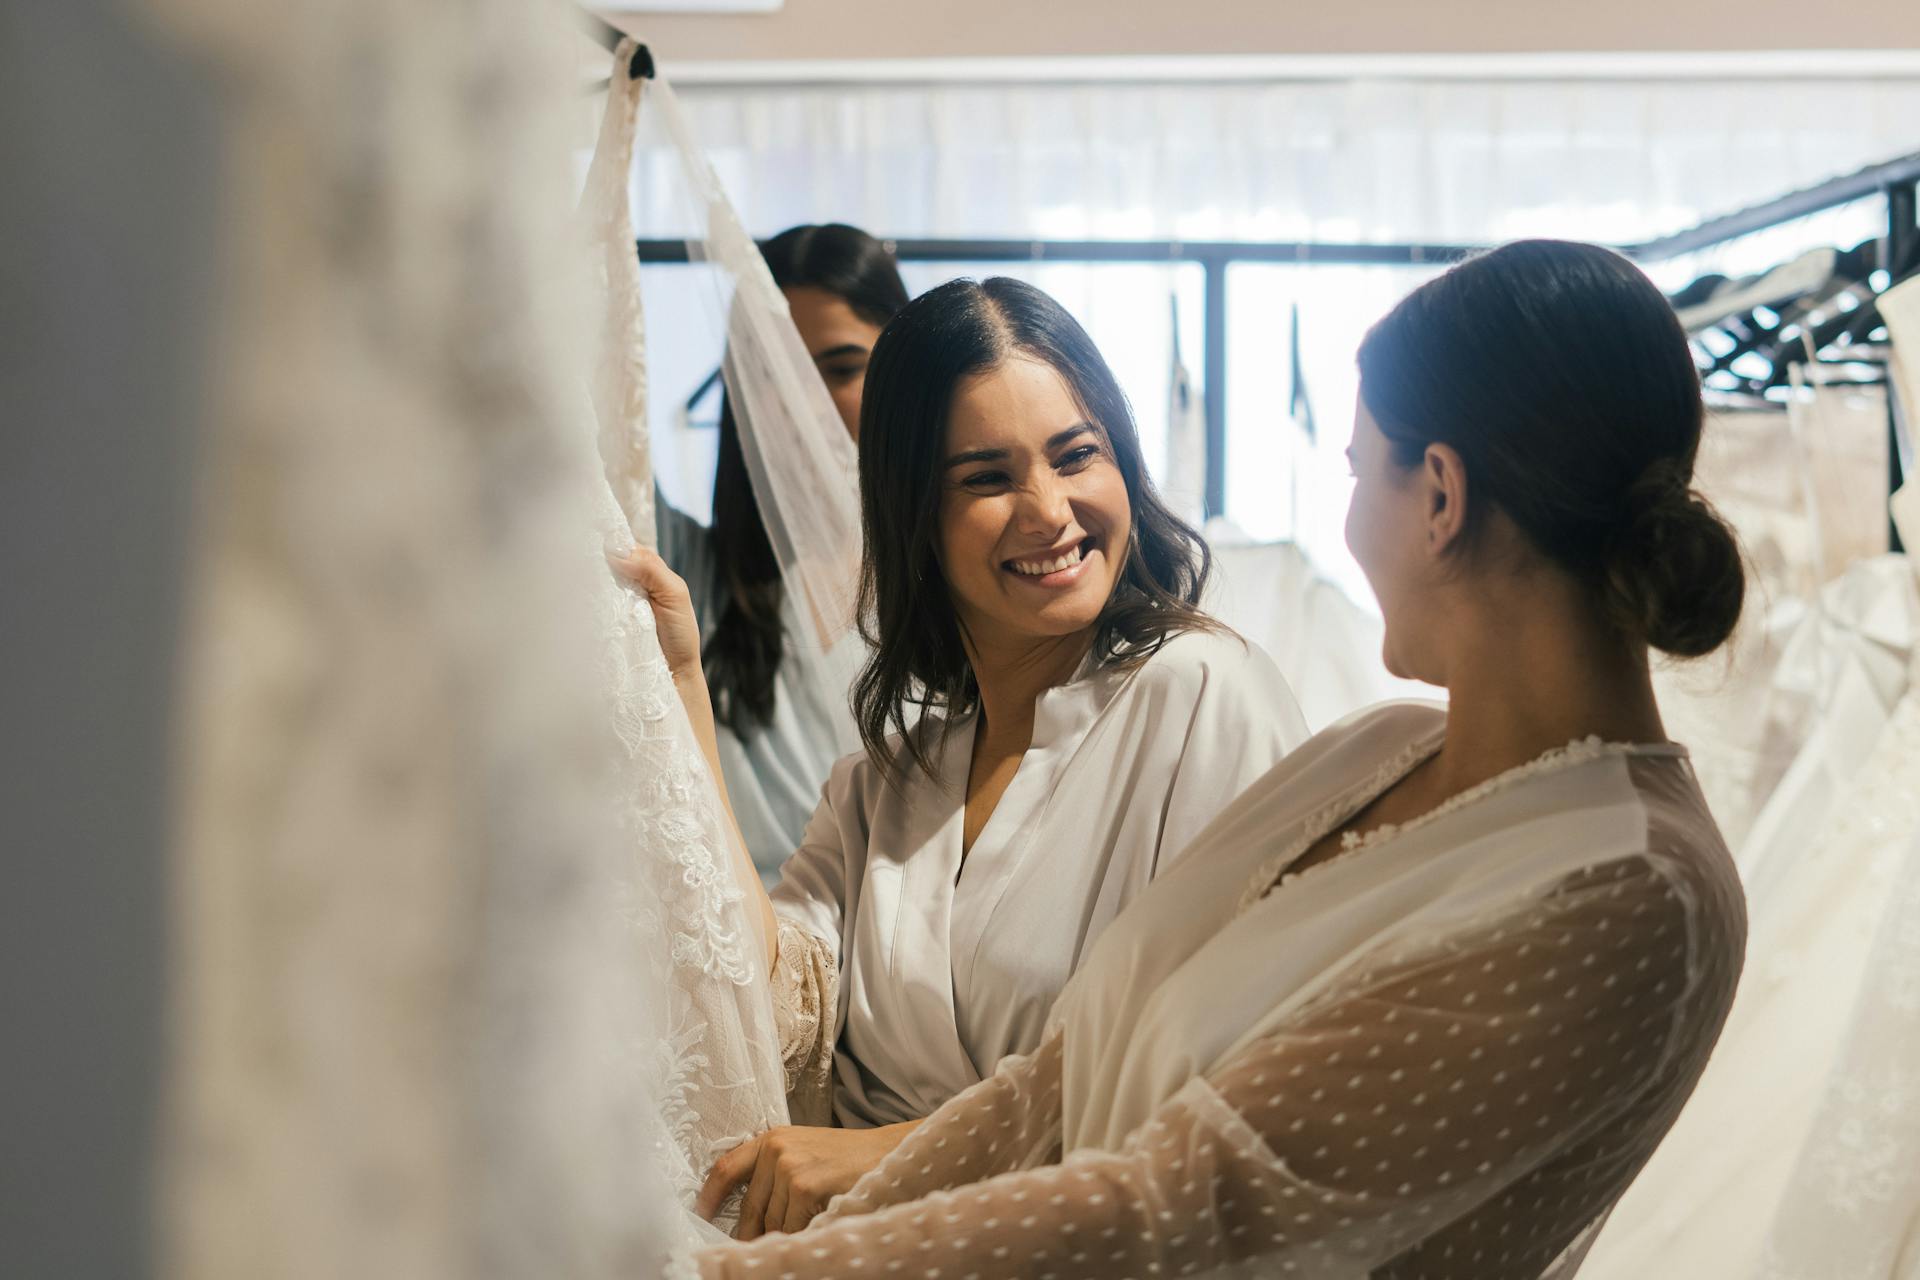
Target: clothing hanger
(1836,311)
(641,66)
(1785,283)
(1844,327)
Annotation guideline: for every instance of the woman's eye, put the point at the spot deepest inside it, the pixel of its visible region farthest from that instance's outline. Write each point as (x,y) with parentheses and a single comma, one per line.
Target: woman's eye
(1079,457)
(843,372)
(985,479)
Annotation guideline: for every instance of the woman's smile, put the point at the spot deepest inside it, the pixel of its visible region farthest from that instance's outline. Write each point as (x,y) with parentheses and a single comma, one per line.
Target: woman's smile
(1054,568)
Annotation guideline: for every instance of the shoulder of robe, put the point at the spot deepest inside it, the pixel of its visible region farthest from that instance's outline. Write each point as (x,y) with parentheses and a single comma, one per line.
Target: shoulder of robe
(1404,718)
(1372,733)
(854,776)
(1194,663)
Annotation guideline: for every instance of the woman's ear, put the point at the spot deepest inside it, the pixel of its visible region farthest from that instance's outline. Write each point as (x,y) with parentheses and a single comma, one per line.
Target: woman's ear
(1444,477)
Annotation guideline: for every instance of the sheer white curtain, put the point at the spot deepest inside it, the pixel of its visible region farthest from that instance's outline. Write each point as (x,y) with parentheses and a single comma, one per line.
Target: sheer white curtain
(1439,160)
(1442,160)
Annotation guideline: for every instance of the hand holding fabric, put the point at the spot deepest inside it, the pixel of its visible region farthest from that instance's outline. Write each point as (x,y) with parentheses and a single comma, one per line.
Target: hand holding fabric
(678,629)
(793,1171)
(672,603)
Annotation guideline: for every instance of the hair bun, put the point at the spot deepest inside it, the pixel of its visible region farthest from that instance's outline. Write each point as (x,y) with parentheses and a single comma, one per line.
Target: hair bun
(1674,573)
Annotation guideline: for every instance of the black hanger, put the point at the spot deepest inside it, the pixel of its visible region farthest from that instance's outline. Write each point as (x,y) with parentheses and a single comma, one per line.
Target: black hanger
(641,67)
(701,392)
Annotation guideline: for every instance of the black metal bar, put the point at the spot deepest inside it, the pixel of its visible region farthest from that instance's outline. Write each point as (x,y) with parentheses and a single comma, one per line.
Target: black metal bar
(1202,251)
(1214,257)
(641,68)
(1896,180)
(1903,239)
(1870,181)
(1215,377)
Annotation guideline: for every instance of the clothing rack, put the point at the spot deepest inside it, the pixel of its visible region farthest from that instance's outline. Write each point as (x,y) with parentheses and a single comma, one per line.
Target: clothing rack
(1897,182)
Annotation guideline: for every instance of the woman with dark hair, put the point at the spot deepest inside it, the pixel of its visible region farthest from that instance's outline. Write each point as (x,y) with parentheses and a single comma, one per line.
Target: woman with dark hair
(1425,998)
(1048,718)
(781,703)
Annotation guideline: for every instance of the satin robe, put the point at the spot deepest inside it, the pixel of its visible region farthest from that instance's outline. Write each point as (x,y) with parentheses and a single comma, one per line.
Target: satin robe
(948,965)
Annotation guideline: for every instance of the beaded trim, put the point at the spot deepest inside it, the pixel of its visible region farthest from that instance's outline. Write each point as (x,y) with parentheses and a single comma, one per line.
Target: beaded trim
(1580,751)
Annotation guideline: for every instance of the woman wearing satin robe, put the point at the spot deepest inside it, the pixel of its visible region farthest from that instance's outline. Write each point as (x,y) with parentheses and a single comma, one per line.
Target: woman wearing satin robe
(1048,719)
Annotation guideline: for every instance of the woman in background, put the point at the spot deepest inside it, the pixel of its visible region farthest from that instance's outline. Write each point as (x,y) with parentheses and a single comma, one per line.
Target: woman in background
(779,701)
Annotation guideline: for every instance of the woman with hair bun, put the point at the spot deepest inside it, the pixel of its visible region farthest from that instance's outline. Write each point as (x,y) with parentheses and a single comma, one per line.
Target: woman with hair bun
(1424,999)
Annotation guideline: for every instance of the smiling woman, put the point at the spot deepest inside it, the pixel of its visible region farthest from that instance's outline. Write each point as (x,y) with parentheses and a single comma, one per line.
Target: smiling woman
(1048,718)
(1006,503)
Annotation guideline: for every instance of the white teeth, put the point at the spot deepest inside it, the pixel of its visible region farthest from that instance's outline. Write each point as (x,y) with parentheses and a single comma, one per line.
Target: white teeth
(1040,568)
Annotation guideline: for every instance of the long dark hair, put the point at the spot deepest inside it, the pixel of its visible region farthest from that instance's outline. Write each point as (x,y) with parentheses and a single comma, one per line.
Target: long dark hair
(1562,377)
(917,659)
(743,652)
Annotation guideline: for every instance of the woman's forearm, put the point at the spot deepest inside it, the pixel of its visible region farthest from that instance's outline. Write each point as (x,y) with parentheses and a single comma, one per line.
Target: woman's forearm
(692,688)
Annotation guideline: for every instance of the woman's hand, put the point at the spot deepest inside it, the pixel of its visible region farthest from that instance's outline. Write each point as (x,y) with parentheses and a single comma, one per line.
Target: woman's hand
(672,608)
(793,1171)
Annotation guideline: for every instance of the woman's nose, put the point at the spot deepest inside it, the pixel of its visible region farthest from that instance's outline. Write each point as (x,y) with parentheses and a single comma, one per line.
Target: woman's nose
(1043,506)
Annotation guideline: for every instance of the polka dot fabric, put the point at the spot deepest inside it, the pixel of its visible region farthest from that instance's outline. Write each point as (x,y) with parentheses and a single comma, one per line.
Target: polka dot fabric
(1465,1108)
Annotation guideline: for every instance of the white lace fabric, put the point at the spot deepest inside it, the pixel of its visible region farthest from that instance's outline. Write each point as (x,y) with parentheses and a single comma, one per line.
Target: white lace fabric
(806,982)
(799,457)
(407,1028)
(1466,1105)
(718,1056)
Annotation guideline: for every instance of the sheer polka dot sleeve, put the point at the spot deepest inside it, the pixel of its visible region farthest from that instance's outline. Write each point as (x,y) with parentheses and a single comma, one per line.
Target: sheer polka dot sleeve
(1464,1108)
(1010,1120)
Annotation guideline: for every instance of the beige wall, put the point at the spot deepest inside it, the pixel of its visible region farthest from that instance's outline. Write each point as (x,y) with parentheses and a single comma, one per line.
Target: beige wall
(840,29)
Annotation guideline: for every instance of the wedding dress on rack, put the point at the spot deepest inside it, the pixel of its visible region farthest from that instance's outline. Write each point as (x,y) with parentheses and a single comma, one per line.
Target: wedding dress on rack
(1824,1033)
(1788,482)
(720,1053)
(460,983)
(1823,868)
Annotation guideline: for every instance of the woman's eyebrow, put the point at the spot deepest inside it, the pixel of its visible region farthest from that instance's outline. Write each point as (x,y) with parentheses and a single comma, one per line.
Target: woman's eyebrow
(974,455)
(1061,437)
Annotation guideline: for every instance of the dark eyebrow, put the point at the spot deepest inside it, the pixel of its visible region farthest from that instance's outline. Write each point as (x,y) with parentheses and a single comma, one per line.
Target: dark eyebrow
(844,349)
(1054,441)
(974,455)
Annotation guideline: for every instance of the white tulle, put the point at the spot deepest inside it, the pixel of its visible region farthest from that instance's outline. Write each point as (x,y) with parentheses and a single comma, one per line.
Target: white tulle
(799,456)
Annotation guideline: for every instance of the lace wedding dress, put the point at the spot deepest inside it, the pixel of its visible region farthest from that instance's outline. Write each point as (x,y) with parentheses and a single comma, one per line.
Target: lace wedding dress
(460,983)
(720,1057)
